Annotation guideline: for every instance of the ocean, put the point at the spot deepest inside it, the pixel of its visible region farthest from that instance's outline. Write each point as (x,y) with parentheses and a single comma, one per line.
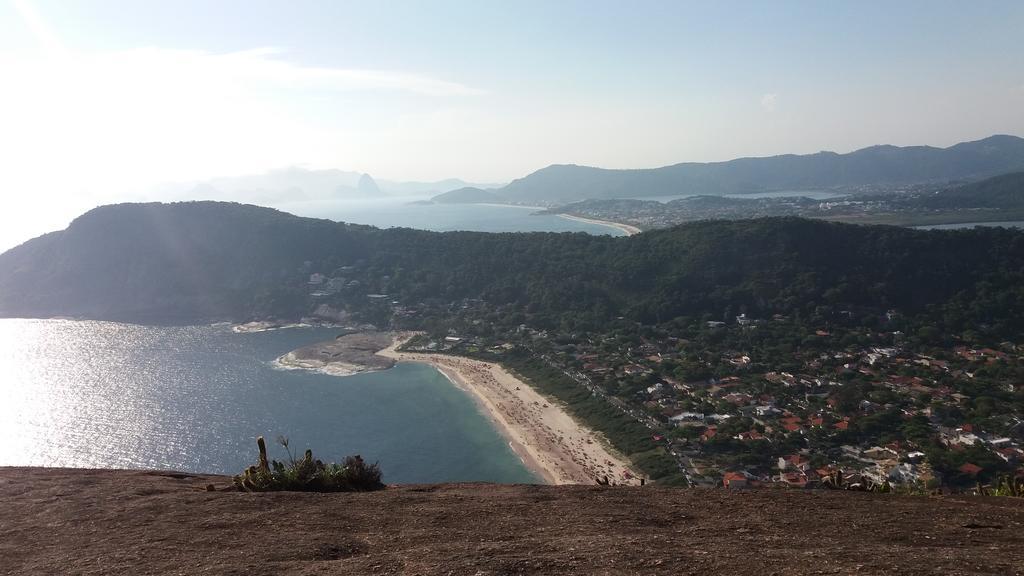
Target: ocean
(110,395)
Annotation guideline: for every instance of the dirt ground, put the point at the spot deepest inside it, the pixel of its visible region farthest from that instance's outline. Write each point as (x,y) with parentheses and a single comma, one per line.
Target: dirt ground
(55,521)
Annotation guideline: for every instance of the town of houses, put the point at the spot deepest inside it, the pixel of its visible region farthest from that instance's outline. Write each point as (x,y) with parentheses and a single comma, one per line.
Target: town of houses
(885,412)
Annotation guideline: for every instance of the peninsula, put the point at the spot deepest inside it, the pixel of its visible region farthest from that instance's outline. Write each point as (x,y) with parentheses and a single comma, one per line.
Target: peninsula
(345,355)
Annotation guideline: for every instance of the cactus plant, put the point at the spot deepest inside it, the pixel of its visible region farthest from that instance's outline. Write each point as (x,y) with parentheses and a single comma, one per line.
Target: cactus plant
(307,474)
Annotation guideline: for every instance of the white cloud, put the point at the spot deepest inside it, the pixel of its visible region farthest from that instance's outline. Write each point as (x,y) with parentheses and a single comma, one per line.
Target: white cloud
(261,65)
(769,101)
(150,109)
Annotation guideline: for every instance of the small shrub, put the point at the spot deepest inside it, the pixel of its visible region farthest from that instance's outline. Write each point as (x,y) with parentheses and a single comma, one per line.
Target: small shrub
(1005,486)
(308,475)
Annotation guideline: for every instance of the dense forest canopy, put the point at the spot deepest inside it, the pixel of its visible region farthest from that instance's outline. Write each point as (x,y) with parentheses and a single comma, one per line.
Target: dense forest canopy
(207,261)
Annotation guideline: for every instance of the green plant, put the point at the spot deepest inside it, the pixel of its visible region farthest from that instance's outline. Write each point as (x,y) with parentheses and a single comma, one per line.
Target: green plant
(1006,486)
(307,474)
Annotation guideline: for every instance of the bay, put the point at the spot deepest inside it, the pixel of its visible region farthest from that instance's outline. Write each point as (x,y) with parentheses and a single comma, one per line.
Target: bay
(110,395)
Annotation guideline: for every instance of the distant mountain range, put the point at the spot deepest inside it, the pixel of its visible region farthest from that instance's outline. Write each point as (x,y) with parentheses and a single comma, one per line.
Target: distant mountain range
(297,184)
(873,166)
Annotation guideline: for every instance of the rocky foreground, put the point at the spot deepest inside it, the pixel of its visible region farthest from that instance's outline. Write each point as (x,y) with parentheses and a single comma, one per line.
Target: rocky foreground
(55,521)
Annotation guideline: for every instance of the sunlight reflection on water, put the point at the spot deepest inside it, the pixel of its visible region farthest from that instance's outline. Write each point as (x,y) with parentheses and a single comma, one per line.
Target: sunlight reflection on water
(102,394)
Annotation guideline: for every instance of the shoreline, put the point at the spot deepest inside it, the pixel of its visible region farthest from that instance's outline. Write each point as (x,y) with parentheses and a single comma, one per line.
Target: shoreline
(290,362)
(548,441)
(346,355)
(629,229)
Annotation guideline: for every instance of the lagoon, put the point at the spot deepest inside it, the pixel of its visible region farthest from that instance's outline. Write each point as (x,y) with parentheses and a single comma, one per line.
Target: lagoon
(962,225)
(406,212)
(811,194)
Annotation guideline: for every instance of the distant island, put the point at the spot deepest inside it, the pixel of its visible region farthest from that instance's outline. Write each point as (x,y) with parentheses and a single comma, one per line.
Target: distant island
(469,195)
(303,184)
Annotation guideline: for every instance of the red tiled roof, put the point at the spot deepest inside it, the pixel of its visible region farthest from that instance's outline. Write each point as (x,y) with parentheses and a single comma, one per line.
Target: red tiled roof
(731,477)
(794,479)
(970,469)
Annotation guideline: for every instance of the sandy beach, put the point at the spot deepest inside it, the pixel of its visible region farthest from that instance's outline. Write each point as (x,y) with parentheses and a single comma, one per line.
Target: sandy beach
(553,445)
(627,228)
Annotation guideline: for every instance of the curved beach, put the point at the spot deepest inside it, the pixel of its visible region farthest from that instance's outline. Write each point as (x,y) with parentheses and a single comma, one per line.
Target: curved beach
(548,441)
(627,228)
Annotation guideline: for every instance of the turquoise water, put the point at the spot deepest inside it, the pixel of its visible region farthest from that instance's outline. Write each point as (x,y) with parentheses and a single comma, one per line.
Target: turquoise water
(400,212)
(102,395)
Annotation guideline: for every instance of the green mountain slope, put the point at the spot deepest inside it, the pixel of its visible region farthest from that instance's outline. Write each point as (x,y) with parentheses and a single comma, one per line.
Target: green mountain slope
(877,165)
(206,261)
(1004,192)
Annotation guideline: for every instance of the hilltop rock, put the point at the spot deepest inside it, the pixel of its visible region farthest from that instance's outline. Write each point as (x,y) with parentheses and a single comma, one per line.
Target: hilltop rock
(59,521)
(367,186)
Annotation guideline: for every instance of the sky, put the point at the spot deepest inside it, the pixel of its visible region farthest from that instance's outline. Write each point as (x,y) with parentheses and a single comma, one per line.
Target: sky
(102,101)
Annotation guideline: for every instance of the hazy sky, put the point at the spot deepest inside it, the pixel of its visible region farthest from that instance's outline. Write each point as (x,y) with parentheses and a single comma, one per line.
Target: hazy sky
(100,100)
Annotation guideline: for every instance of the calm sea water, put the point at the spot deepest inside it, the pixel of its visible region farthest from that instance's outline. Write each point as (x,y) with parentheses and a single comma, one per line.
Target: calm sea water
(1015,224)
(401,212)
(102,394)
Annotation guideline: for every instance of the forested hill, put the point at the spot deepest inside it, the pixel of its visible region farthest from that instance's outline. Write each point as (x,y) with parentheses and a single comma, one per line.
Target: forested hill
(877,165)
(1000,192)
(181,262)
(206,261)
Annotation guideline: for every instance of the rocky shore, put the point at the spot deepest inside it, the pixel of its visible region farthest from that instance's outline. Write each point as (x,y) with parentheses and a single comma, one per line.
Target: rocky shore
(343,356)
